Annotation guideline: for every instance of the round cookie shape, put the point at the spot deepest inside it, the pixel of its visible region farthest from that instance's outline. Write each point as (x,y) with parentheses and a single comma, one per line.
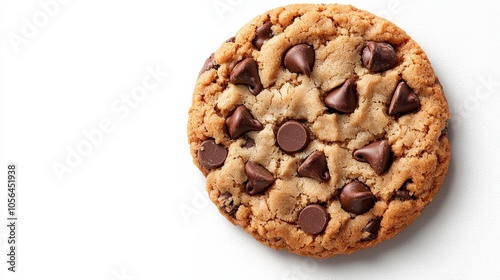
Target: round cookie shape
(320,128)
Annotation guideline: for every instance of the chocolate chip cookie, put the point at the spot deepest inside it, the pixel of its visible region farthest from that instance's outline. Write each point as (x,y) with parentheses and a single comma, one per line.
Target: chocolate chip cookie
(320,129)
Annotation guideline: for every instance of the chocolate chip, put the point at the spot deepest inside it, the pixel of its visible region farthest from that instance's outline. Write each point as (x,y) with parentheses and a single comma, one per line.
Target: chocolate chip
(211,155)
(315,166)
(300,59)
(356,198)
(404,100)
(372,228)
(227,203)
(313,219)
(444,132)
(293,137)
(343,99)
(378,57)
(403,193)
(262,34)
(378,154)
(246,72)
(209,64)
(259,178)
(231,40)
(249,143)
(241,121)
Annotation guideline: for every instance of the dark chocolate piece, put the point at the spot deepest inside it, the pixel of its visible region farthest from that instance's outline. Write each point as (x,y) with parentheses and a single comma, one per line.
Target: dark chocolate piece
(378,154)
(404,100)
(241,121)
(403,193)
(343,99)
(300,59)
(211,155)
(372,227)
(313,219)
(293,137)
(249,143)
(246,72)
(209,64)
(259,178)
(356,198)
(315,166)
(379,56)
(227,203)
(262,34)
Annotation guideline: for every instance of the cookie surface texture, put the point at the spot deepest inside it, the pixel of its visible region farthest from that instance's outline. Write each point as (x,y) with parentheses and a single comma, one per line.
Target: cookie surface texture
(320,129)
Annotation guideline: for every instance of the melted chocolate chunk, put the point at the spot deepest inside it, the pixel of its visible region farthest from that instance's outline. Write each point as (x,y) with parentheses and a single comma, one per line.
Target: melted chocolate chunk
(209,64)
(403,193)
(249,143)
(241,121)
(379,56)
(315,166)
(313,219)
(227,203)
(262,34)
(444,132)
(300,59)
(211,155)
(343,99)
(356,198)
(293,137)
(259,178)
(404,100)
(378,154)
(372,228)
(246,72)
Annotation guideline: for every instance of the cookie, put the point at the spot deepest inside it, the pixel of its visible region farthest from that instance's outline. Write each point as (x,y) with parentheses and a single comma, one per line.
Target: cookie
(320,129)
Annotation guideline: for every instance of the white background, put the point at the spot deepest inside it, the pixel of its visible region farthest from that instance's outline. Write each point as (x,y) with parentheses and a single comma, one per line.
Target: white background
(133,207)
